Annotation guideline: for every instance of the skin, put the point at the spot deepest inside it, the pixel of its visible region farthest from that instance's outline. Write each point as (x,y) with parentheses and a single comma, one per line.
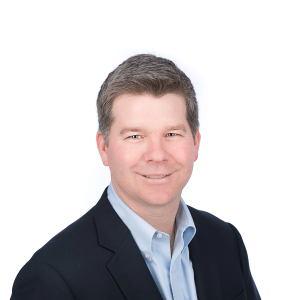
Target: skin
(150,136)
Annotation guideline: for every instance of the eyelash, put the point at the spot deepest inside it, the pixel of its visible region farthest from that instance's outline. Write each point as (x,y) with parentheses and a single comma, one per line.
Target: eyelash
(134,137)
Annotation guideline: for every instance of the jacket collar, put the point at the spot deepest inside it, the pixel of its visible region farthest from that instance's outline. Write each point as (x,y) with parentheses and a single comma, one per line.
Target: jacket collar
(127,265)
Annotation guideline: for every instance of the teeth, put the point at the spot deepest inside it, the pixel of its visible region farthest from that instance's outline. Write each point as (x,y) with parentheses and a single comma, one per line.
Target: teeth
(161,176)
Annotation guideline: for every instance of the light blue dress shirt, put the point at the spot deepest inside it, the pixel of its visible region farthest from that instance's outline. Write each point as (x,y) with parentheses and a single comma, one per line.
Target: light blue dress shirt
(174,276)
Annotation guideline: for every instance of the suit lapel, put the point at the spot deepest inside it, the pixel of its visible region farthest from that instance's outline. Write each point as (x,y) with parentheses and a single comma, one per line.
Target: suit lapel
(196,257)
(127,265)
(131,272)
(216,262)
(203,263)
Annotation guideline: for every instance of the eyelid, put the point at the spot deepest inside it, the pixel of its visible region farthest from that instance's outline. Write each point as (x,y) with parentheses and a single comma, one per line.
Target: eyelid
(172,133)
(130,136)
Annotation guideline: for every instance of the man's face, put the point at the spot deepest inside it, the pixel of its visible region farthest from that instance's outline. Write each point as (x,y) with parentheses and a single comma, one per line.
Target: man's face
(151,150)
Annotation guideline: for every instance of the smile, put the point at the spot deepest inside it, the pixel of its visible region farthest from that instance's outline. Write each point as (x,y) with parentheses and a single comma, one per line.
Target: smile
(157,177)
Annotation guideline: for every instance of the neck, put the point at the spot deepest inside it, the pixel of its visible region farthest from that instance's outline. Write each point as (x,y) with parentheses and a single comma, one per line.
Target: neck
(161,217)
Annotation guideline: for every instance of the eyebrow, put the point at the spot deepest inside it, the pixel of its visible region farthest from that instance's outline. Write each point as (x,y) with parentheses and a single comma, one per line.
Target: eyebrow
(130,129)
(139,129)
(177,127)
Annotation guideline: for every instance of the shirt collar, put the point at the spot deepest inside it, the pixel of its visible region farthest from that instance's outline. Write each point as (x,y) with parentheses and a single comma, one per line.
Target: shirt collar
(185,227)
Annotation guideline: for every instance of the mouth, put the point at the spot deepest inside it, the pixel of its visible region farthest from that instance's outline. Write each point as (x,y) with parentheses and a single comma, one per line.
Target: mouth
(157,179)
(156,176)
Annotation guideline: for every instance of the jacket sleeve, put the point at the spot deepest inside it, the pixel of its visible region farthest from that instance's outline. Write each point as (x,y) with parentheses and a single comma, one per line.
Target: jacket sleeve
(250,287)
(38,280)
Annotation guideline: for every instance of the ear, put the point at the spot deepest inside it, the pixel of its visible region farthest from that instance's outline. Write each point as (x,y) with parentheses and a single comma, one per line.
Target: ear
(197,144)
(102,148)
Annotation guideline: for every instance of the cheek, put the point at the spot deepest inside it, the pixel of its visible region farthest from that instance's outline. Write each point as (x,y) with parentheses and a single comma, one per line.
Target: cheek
(122,159)
(184,155)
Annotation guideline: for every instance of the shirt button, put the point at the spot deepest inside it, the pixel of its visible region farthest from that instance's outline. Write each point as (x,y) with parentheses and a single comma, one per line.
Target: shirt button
(147,255)
(159,235)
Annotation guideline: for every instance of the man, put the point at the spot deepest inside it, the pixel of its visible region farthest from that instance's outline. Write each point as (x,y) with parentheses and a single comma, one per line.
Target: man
(141,241)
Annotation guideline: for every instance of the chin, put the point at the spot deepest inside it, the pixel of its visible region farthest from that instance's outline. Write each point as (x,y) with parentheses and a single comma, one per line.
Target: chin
(159,198)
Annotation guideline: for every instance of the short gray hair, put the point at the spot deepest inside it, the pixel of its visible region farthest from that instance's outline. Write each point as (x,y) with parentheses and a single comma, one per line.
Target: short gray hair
(145,74)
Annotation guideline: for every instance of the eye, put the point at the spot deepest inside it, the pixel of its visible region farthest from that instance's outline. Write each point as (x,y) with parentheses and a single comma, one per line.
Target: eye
(135,136)
(171,134)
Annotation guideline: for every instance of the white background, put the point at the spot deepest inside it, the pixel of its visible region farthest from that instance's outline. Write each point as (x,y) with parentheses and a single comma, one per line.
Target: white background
(243,58)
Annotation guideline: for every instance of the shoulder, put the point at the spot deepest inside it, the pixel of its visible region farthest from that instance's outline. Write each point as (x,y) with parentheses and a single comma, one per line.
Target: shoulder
(78,243)
(47,274)
(213,226)
(71,242)
(222,245)
(207,220)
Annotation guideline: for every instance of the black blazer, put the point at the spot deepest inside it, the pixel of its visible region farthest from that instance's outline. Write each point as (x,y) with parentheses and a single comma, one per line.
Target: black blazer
(96,258)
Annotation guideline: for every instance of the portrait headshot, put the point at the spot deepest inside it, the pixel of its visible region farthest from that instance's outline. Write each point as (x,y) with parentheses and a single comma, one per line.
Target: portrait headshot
(149,153)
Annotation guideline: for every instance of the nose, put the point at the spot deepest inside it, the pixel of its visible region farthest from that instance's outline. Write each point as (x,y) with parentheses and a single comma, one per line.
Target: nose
(156,151)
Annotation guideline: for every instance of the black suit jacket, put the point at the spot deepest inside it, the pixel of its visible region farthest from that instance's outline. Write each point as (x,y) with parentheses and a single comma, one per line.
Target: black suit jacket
(96,258)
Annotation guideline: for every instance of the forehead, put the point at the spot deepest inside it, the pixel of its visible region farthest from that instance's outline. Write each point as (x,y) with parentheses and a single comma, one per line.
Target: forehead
(144,108)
